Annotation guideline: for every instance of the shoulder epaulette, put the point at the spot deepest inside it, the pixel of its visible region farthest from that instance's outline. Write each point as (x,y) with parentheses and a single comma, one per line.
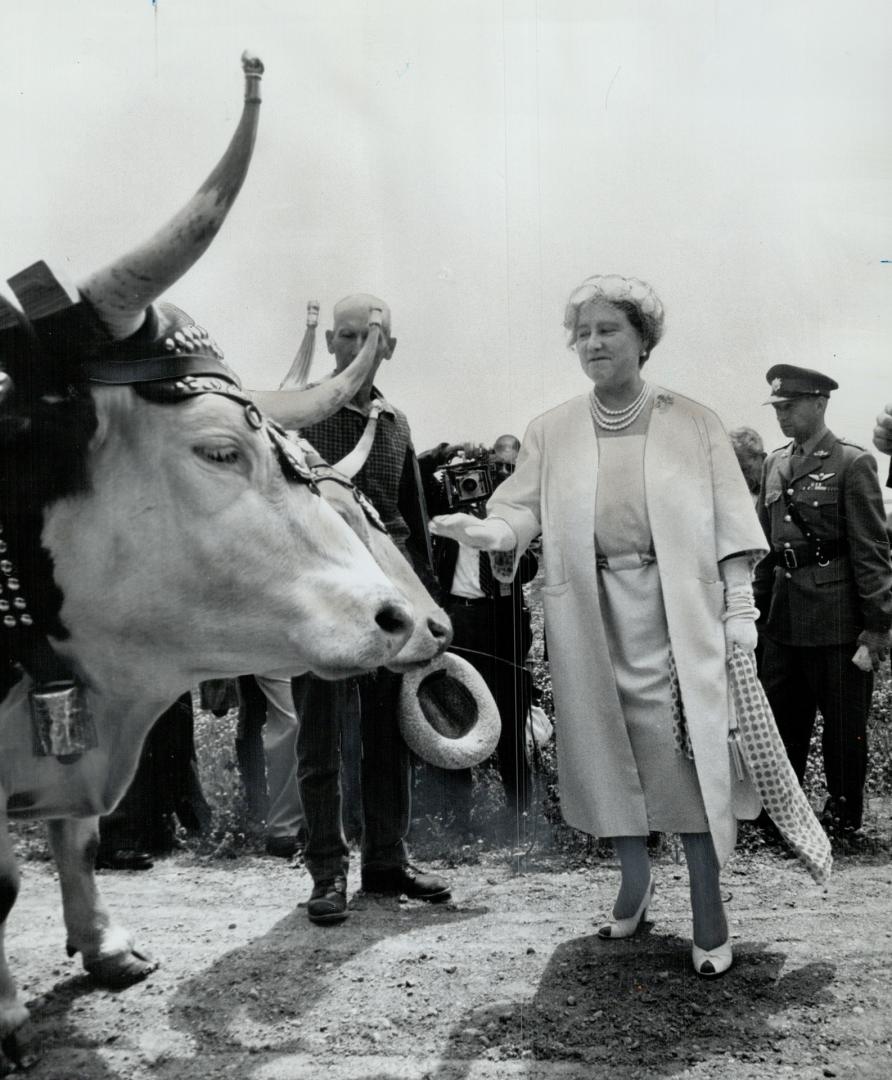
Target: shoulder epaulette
(848,442)
(786,446)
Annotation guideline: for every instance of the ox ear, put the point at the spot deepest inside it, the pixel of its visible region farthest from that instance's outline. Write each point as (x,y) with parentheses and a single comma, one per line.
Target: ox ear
(42,344)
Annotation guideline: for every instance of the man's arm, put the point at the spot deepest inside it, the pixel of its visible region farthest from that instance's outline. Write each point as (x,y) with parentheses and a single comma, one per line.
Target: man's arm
(882,437)
(413,508)
(763,579)
(868,542)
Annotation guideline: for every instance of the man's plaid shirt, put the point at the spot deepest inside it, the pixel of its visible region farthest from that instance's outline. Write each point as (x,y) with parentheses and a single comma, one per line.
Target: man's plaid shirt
(389,476)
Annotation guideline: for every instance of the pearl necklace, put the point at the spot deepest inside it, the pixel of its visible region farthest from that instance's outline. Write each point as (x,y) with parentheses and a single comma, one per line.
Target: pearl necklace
(617,419)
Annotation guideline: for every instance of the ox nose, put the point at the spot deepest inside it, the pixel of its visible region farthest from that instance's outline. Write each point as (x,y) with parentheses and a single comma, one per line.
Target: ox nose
(394,620)
(440,629)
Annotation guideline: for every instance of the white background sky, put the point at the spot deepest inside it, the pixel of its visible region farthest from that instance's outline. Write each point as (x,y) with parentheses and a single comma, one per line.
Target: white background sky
(471,162)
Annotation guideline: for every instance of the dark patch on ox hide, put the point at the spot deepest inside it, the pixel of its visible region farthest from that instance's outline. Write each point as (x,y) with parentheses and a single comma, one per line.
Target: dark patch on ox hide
(46,424)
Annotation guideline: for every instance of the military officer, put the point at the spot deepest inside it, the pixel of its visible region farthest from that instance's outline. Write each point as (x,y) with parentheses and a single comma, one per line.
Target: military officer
(825,589)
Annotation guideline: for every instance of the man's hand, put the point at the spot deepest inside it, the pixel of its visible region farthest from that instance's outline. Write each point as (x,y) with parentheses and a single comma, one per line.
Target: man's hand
(490,534)
(882,433)
(873,646)
(441,454)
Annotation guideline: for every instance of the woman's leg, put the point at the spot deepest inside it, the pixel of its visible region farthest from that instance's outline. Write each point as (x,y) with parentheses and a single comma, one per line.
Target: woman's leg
(635,864)
(710,925)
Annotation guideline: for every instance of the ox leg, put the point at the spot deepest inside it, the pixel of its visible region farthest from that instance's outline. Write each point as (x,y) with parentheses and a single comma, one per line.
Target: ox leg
(106,948)
(12,1012)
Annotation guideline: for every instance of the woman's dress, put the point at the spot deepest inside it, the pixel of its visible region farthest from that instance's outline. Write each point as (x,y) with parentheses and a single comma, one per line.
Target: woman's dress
(637,634)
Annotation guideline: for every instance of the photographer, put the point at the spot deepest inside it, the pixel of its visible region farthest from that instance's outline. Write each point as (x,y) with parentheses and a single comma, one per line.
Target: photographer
(490,620)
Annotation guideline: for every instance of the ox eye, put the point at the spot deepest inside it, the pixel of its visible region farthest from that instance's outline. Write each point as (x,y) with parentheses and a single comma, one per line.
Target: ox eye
(219,455)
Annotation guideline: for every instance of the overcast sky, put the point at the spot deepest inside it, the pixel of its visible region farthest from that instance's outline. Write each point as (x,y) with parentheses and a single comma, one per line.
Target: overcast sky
(471,162)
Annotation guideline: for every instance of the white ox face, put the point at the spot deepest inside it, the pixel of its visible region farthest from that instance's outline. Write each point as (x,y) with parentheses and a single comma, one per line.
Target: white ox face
(193,556)
(432,633)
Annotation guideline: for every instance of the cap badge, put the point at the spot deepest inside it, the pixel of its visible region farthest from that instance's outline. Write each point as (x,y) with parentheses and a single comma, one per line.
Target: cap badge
(775,385)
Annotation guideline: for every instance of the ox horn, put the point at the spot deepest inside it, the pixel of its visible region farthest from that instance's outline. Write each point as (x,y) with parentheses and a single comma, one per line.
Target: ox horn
(299,373)
(296,409)
(121,291)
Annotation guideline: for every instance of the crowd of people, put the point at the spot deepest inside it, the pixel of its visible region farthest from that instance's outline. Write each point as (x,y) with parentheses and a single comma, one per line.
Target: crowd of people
(666,548)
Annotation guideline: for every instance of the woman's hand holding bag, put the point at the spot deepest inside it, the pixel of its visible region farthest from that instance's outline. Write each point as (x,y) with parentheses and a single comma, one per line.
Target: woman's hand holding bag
(740,613)
(741,630)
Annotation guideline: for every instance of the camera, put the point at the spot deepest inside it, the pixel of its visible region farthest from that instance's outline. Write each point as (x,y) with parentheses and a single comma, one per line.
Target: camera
(466,483)
(469,483)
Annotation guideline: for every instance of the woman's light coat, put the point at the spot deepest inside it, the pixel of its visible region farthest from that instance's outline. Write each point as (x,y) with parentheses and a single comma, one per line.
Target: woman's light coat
(700,512)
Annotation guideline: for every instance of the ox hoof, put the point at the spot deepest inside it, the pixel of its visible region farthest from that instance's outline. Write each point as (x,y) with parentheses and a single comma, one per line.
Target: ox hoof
(120,970)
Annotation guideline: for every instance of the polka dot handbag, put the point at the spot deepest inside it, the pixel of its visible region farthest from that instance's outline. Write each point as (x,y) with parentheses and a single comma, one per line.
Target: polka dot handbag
(756,742)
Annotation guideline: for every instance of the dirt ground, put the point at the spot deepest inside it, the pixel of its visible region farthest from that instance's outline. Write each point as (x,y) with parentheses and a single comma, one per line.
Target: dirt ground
(508,980)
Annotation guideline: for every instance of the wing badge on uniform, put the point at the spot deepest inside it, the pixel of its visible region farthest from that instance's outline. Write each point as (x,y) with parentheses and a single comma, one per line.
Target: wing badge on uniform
(820,477)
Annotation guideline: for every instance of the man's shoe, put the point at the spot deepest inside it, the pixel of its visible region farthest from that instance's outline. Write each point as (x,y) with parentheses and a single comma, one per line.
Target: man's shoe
(328,901)
(284,847)
(396,880)
(124,859)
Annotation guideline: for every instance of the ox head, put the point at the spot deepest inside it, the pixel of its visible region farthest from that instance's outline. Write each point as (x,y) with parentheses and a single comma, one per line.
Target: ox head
(432,632)
(156,525)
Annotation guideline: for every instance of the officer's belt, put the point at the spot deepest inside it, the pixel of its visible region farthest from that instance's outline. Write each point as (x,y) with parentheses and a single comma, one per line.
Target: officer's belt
(819,552)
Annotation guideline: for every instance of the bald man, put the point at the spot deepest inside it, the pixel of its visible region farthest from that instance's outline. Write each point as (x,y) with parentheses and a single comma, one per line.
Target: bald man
(328,711)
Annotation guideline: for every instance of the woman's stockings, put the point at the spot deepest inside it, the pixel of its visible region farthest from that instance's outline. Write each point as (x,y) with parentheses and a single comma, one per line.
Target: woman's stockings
(635,863)
(710,926)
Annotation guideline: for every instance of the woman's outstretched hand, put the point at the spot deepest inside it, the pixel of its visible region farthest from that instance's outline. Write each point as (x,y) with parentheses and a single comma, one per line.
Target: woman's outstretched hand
(491,534)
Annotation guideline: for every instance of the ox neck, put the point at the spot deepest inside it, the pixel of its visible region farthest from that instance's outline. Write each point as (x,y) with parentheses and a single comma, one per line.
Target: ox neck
(116,681)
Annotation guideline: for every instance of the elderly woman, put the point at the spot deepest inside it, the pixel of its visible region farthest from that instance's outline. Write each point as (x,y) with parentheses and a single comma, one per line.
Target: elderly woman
(648,534)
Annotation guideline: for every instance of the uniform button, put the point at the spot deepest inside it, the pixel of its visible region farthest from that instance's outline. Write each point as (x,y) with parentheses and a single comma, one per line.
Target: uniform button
(787,574)
(816,503)
(787,517)
(786,543)
(790,491)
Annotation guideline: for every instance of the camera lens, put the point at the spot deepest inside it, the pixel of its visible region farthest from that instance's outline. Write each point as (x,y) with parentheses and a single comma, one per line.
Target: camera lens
(468,485)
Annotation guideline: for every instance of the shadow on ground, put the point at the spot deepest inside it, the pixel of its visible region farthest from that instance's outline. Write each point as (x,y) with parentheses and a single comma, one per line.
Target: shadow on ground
(637,1008)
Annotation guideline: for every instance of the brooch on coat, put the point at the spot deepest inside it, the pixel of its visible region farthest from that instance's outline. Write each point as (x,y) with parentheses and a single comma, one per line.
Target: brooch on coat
(663,401)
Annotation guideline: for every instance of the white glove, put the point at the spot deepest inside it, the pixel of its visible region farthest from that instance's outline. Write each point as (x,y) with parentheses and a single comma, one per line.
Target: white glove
(741,613)
(740,630)
(491,534)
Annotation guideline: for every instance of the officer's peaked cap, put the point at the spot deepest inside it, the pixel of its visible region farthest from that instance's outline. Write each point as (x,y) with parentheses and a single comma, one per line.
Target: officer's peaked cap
(788,382)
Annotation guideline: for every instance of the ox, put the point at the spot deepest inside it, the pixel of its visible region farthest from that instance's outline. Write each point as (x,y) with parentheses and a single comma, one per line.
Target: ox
(159,529)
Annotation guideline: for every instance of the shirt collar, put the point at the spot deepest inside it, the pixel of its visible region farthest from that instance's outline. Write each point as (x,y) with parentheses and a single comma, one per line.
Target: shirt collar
(376,395)
(810,445)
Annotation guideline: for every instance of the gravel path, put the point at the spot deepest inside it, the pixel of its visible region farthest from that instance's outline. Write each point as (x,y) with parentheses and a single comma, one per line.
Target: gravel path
(507,981)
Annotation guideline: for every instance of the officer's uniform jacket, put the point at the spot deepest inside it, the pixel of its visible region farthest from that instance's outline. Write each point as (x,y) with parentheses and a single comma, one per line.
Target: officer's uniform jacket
(837,494)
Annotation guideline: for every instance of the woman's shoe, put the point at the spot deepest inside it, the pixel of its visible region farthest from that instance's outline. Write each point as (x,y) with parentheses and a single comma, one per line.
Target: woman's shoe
(621,928)
(710,963)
